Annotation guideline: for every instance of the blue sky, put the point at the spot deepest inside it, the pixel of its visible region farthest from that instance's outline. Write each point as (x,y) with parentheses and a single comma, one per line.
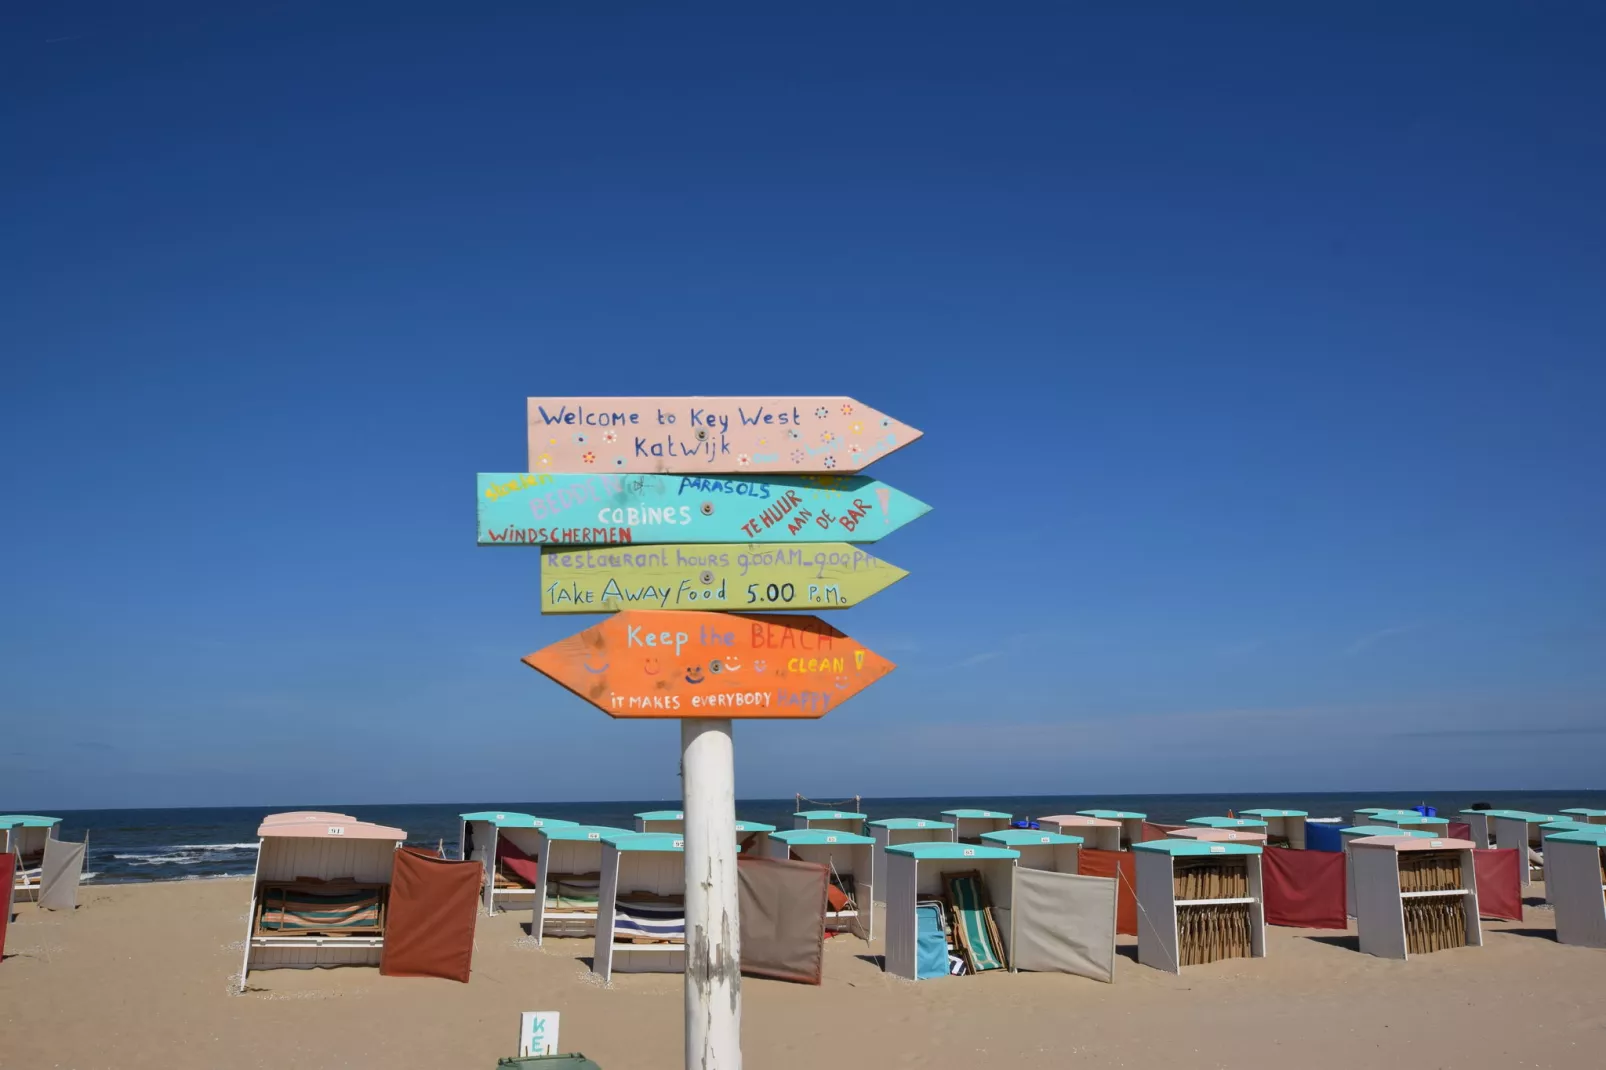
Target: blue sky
(1259,359)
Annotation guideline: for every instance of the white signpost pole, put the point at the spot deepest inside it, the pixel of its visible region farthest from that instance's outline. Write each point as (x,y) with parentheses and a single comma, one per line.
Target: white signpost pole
(713,953)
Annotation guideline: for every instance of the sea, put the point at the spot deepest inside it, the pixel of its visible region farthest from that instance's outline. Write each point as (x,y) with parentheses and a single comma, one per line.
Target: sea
(207,842)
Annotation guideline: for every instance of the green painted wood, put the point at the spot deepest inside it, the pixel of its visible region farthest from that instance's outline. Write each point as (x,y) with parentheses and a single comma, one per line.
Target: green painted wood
(740,576)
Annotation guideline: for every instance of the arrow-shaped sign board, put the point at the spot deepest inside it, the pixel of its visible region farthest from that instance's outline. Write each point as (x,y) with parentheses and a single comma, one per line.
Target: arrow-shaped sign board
(710,434)
(674,663)
(586,509)
(746,577)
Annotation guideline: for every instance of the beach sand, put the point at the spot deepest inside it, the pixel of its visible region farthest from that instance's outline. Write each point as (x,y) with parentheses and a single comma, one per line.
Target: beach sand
(142,976)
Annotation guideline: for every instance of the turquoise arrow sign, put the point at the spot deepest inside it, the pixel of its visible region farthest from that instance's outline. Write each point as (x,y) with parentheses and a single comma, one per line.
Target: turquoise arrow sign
(583,509)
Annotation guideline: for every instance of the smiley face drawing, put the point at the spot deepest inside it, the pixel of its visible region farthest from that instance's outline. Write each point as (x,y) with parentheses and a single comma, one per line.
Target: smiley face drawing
(593,670)
(651,667)
(843,683)
(694,675)
(760,665)
(733,665)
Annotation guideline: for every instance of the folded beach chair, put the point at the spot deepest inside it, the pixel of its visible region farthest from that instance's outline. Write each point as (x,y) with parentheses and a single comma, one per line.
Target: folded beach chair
(643,918)
(327,908)
(979,942)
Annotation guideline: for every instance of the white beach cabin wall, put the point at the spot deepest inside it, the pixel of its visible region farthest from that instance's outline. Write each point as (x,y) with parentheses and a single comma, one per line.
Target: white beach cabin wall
(910,879)
(1039,849)
(1131,823)
(1478,822)
(1286,825)
(661,821)
(970,824)
(1575,888)
(849,855)
(569,849)
(1379,903)
(1157,905)
(661,872)
(1097,833)
(896,830)
(836,820)
(1520,831)
(1360,832)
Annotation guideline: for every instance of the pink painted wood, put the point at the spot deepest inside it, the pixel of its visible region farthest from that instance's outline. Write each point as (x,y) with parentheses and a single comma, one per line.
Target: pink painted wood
(709,435)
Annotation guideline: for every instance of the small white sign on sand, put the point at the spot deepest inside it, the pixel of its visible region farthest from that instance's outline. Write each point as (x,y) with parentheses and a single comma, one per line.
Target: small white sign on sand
(538,1033)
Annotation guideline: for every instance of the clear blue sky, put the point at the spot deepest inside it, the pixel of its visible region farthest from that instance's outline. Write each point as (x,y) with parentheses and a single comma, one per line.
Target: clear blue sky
(1261,360)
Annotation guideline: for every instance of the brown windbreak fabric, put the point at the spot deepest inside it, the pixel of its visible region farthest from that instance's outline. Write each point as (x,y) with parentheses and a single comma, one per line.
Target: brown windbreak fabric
(782,911)
(59,873)
(429,927)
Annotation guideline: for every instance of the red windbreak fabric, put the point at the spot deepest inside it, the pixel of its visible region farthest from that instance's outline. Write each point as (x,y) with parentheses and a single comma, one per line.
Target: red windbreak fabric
(8,875)
(514,858)
(429,924)
(1499,883)
(1303,889)
(1154,831)
(1121,865)
(1458,830)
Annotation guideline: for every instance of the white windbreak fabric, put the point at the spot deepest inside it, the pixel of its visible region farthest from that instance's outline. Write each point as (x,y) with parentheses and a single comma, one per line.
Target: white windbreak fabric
(1064,923)
(58,878)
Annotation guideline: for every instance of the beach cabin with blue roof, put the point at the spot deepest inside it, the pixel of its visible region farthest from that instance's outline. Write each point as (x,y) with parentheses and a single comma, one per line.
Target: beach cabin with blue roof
(24,835)
(839,820)
(571,878)
(661,821)
(916,878)
(1575,874)
(850,858)
(1284,828)
(969,824)
(641,905)
(894,830)
(507,844)
(1585,813)
(1198,902)
(1131,823)
(1038,849)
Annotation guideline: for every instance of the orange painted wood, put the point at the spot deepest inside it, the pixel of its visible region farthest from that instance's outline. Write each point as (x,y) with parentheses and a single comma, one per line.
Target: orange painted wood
(676,664)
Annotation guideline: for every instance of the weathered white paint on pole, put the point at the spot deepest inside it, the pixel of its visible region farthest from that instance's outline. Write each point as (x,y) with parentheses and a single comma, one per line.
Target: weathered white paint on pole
(713,958)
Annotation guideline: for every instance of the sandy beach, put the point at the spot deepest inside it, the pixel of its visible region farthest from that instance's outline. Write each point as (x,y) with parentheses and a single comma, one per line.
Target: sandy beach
(142,976)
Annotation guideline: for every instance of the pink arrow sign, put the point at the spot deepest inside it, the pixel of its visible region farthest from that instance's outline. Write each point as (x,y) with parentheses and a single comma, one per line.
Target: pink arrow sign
(709,434)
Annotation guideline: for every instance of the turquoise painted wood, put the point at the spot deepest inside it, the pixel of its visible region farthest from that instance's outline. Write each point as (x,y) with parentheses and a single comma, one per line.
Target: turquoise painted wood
(601,508)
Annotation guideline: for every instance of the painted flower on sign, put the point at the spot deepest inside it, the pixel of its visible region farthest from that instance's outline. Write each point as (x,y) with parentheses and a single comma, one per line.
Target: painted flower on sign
(544,460)
(856,428)
(854,448)
(847,410)
(580,438)
(743,460)
(588,457)
(822,412)
(827,437)
(610,436)
(798,456)
(830,461)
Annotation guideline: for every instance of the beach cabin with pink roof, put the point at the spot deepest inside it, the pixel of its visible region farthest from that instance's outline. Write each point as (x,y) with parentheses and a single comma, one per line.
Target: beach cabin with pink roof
(1414,895)
(319,894)
(1096,833)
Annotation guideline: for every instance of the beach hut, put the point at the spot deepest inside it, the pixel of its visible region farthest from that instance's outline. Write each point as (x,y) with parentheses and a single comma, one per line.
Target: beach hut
(1284,828)
(1053,851)
(1414,895)
(1575,878)
(1364,815)
(1096,833)
(319,894)
(921,878)
(661,821)
(837,820)
(570,871)
(1210,835)
(1523,831)
(641,904)
(1566,824)
(895,830)
(1198,902)
(1131,823)
(508,845)
(1478,822)
(1585,814)
(753,837)
(1411,821)
(970,824)
(1360,832)
(851,858)
(24,835)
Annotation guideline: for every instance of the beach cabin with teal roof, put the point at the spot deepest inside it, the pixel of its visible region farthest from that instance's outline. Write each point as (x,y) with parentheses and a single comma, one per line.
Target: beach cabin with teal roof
(894,830)
(850,857)
(1566,824)
(1359,832)
(24,835)
(1131,823)
(570,873)
(1227,823)
(641,905)
(1198,902)
(1575,874)
(1478,822)
(1520,829)
(1411,821)
(1407,888)
(661,821)
(1038,849)
(1584,813)
(753,837)
(969,824)
(917,873)
(507,844)
(839,820)
(1096,833)
(1284,828)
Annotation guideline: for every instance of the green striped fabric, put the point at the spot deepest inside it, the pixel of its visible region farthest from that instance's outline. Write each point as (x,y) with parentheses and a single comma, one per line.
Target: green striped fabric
(966,892)
(293,910)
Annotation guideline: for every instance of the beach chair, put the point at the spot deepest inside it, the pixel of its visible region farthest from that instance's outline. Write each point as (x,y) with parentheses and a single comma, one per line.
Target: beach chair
(308,906)
(979,942)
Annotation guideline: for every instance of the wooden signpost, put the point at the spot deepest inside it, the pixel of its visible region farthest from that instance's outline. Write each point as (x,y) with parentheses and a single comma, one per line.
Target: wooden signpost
(671,663)
(758,577)
(599,509)
(710,434)
(659,509)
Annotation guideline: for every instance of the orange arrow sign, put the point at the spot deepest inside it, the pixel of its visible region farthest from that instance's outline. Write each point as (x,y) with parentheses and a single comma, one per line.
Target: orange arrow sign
(674,663)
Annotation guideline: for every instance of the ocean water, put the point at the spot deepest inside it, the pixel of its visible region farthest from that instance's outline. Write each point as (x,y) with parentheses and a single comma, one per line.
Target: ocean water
(178,844)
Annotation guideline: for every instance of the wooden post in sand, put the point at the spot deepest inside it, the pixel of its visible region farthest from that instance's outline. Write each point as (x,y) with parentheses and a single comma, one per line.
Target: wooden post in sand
(623,488)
